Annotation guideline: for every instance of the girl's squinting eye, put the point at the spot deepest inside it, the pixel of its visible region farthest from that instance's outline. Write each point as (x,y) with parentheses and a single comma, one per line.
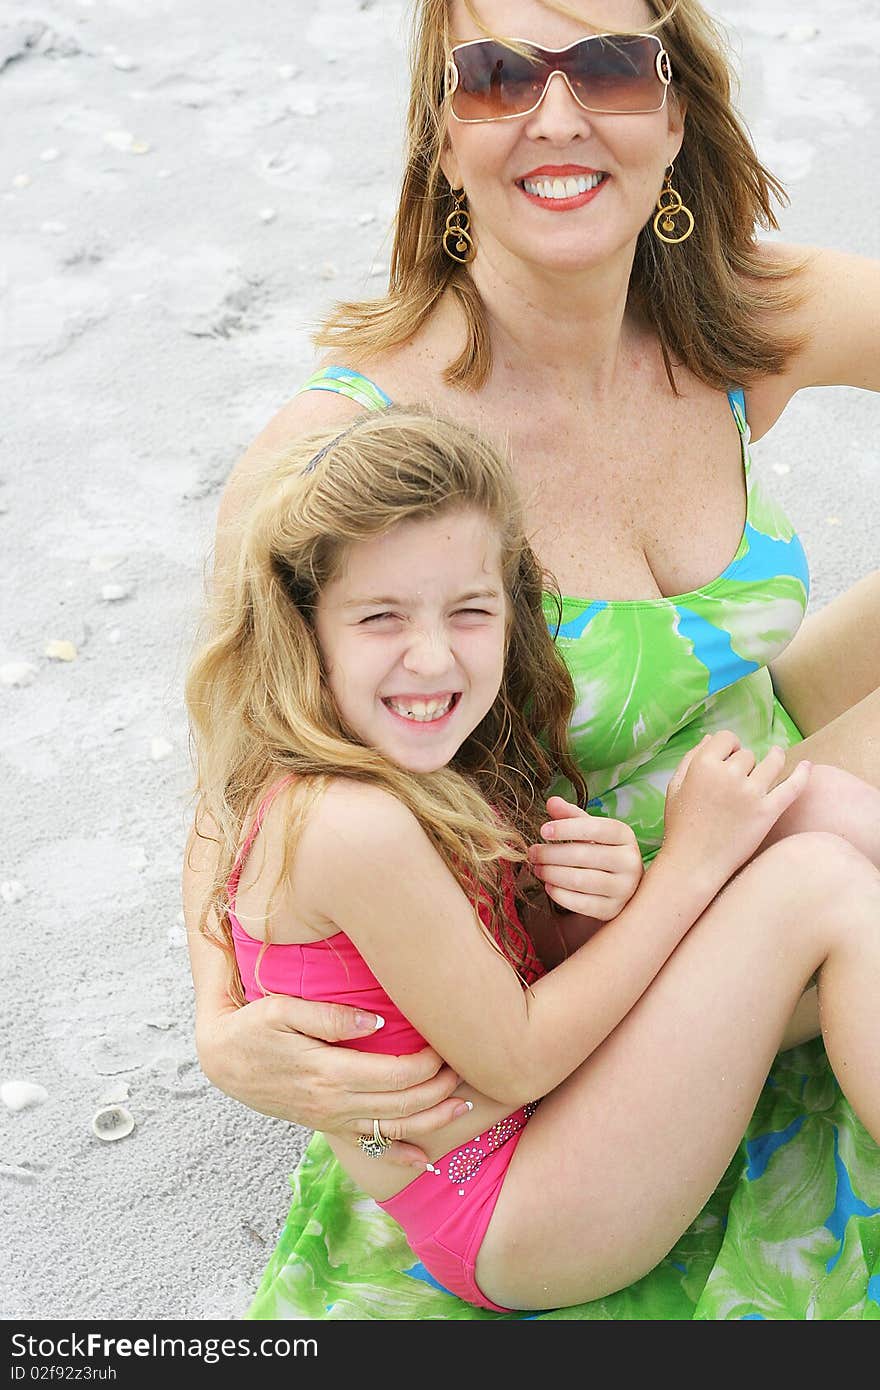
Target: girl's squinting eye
(474,613)
(376,618)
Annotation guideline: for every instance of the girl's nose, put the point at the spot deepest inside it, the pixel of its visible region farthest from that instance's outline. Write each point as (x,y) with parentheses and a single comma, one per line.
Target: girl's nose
(429,654)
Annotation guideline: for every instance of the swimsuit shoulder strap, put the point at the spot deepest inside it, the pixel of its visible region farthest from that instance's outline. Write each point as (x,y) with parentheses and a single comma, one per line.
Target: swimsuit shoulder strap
(256,826)
(344,382)
(736,398)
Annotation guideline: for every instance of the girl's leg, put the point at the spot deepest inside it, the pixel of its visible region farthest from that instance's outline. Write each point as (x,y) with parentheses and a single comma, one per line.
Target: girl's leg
(620,1159)
(838,803)
(841,804)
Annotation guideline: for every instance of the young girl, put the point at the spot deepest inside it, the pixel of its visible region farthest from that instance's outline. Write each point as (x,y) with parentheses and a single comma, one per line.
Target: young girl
(377,708)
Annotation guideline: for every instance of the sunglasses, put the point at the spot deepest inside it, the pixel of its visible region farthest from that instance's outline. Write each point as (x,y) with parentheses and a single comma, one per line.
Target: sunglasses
(620,74)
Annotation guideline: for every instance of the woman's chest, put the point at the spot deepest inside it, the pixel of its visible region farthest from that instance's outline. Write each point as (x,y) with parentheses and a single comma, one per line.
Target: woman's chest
(639,495)
(632,513)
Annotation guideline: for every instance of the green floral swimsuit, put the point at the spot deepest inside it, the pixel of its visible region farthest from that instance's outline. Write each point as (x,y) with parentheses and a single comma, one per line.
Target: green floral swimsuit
(652,677)
(793,1229)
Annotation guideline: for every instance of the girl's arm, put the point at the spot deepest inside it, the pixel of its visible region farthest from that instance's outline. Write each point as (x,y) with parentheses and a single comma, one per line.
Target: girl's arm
(385,886)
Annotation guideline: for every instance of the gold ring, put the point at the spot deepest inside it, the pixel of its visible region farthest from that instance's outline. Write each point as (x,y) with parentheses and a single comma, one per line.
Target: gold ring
(374,1147)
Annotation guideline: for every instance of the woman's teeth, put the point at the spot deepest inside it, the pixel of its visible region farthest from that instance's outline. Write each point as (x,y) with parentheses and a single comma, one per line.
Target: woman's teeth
(569,187)
(422,711)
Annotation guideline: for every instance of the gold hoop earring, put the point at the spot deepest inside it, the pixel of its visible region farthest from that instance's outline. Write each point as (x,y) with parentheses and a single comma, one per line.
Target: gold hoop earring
(457,240)
(669,207)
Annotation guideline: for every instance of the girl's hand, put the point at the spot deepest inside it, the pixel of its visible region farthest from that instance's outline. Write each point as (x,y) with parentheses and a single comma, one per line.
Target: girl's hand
(721,804)
(590,864)
(275,1056)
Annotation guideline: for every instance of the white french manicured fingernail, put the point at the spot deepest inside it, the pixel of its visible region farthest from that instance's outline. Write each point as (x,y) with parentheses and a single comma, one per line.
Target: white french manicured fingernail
(469,1104)
(380,1023)
(429,1168)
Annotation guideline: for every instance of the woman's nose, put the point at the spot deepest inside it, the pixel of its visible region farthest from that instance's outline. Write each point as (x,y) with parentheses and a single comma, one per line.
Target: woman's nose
(559,116)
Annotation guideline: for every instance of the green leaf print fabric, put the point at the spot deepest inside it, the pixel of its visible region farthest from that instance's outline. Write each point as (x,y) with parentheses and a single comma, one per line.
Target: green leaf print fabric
(793,1229)
(791,1232)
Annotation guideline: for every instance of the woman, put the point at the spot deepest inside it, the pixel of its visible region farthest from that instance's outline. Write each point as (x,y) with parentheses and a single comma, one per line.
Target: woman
(559,319)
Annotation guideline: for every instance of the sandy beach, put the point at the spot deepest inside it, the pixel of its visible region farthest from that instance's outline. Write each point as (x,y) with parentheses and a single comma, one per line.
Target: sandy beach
(185,189)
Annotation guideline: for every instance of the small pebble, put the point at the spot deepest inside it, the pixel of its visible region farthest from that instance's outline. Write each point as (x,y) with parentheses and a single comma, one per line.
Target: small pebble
(60,651)
(19,1095)
(124,63)
(328,271)
(781,469)
(138,860)
(53,228)
(833,520)
(364,219)
(112,593)
(102,563)
(287,70)
(160,748)
(268,214)
(21,180)
(17,673)
(377,270)
(163,174)
(113,635)
(801,33)
(140,147)
(47,156)
(12,890)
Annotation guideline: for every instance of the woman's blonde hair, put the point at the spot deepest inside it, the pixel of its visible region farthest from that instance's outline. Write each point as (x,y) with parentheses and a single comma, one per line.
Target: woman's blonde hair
(707,298)
(260,708)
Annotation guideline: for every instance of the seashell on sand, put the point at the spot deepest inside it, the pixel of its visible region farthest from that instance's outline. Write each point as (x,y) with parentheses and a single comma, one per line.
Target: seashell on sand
(112,1122)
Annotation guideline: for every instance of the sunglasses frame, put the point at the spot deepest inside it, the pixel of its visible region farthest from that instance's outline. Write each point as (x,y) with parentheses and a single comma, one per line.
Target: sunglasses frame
(662,66)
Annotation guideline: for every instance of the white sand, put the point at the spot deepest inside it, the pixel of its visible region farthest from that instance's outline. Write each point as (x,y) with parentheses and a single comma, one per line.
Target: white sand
(185,187)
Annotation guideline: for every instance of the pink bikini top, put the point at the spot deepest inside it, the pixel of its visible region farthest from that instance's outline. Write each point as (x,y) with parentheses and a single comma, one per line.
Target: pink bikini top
(331,970)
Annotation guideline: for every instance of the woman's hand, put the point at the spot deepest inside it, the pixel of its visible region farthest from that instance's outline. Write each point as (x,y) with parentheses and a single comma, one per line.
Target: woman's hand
(591,864)
(721,804)
(274,1056)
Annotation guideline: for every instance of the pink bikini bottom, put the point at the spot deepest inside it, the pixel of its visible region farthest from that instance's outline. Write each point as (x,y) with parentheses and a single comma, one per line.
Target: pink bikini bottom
(445,1213)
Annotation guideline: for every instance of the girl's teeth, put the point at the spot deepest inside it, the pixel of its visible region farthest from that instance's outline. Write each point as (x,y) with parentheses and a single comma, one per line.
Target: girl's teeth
(562,188)
(422,711)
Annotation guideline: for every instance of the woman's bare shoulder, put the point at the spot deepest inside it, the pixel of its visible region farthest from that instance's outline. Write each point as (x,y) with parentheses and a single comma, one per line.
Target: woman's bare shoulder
(305,413)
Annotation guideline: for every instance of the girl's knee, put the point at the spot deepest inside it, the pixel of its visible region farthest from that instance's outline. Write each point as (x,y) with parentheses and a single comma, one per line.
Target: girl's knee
(815,868)
(833,801)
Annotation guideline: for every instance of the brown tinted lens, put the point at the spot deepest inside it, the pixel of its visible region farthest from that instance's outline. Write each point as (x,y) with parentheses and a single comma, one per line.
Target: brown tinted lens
(615,72)
(608,72)
(495,81)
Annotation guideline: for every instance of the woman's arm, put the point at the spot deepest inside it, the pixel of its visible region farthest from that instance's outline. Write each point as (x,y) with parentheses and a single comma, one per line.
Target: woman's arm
(828,678)
(836,317)
(452,983)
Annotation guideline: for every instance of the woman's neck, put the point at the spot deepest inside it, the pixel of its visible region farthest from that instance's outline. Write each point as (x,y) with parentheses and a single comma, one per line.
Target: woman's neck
(554,322)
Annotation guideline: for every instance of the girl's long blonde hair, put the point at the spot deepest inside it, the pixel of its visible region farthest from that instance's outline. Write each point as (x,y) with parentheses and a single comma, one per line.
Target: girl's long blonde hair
(707,298)
(259,706)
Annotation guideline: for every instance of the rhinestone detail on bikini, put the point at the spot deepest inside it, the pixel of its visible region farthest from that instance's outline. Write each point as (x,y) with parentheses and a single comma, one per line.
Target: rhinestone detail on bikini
(466,1162)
